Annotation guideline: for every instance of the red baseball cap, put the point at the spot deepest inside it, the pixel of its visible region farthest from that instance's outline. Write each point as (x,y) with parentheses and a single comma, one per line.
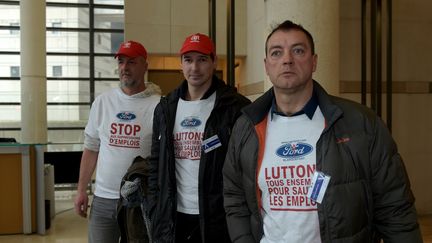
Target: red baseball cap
(131,49)
(200,43)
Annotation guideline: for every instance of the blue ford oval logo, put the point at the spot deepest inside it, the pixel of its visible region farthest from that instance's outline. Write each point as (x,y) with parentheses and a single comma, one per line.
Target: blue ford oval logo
(127,116)
(294,150)
(190,122)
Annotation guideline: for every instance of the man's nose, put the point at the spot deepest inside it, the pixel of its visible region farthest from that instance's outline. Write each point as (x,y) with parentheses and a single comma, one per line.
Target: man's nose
(194,65)
(288,58)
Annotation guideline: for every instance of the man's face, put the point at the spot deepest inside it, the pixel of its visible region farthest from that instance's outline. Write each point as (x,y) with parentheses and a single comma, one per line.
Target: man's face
(289,61)
(197,68)
(131,71)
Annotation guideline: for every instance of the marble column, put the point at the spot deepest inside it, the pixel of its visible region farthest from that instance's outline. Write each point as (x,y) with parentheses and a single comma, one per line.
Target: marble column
(33,72)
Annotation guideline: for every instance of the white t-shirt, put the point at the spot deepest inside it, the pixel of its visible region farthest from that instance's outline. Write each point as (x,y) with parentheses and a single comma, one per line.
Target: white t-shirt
(123,124)
(285,174)
(191,118)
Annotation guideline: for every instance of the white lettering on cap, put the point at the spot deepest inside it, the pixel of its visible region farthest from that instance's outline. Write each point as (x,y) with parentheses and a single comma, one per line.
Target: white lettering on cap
(127,45)
(195,38)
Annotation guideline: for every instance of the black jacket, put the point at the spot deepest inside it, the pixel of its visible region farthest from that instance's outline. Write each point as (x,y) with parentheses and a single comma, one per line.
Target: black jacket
(162,180)
(132,207)
(368,197)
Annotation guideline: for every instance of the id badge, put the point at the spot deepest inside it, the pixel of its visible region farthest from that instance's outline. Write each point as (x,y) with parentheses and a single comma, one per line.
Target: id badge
(318,187)
(211,143)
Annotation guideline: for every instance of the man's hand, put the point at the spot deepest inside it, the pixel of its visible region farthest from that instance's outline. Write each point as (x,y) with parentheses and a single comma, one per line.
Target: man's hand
(81,204)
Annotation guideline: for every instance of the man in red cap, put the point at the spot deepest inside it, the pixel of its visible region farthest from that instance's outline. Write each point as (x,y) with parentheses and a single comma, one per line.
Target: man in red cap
(191,129)
(118,130)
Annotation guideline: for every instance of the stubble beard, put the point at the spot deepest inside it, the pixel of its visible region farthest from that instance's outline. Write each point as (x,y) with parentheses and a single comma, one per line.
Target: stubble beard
(128,83)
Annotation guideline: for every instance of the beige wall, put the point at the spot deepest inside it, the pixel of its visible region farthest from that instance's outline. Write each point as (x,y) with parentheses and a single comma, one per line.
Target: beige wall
(163,25)
(324,25)
(412,116)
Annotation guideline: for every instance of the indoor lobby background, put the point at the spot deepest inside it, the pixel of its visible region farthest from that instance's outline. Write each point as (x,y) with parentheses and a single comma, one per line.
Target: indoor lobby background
(56,56)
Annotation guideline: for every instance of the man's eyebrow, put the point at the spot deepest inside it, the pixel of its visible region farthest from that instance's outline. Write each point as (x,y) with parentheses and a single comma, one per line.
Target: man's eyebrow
(275,47)
(199,56)
(298,44)
(280,46)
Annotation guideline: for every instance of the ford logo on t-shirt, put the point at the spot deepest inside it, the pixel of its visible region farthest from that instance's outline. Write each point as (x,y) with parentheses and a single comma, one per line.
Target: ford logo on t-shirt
(126,116)
(294,150)
(190,122)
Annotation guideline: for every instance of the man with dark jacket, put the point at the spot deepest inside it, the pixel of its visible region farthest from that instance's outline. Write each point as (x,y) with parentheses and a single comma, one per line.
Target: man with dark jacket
(192,126)
(305,166)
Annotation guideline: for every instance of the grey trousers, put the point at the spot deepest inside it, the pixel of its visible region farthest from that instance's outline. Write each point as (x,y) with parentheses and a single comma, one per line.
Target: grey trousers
(103,226)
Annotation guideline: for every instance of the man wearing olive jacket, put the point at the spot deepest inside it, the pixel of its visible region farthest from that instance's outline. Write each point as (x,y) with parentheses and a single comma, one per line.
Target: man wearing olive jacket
(305,166)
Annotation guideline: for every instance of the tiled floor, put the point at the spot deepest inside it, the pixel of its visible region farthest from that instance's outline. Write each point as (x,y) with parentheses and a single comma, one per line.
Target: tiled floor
(67,227)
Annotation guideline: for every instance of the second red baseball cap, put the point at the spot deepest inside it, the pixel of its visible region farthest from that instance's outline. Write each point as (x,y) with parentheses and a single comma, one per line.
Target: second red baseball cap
(200,43)
(131,49)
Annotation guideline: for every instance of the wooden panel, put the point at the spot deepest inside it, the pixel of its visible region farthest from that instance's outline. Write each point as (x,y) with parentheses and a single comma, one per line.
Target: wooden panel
(399,87)
(11,191)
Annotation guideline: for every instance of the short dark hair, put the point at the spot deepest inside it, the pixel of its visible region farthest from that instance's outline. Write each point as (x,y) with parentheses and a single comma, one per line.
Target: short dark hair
(288,25)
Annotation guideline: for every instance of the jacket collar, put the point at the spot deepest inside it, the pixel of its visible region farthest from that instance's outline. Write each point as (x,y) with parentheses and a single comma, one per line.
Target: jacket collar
(261,106)
(309,109)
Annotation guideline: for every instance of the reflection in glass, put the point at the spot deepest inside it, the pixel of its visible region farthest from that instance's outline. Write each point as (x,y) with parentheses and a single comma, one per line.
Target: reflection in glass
(67,115)
(106,67)
(109,18)
(10,113)
(67,17)
(107,42)
(68,91)
(72,66)
(65,121)
(10,91)
(102,86)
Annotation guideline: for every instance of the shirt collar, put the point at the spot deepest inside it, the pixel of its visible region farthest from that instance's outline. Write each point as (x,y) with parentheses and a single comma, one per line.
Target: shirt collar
(308,109)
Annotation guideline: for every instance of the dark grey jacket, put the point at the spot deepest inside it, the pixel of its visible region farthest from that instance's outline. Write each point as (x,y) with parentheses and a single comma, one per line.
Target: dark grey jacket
(369,195)
(162,181)
(132,207)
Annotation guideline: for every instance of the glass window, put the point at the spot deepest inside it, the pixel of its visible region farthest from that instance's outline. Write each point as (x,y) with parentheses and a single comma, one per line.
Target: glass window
(9,42)
(106,66)
(68,115)
(67,41)
(102,86)
(72,66)
(10,115)
(11,134)
(69,140)
(108,43)
(14,71)
(69,1)
(10,91)
(68,91)
(111,2)
(14,31)
(56,25)
(69,17)
(57,71)
(109,18)
(70,59)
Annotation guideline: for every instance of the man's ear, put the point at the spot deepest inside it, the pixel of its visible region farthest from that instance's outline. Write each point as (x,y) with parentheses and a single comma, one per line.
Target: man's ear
(265,65)
(315,62)
(215,63)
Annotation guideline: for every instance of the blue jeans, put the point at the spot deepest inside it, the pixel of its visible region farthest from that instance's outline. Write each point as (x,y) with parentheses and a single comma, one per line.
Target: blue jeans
(103,226)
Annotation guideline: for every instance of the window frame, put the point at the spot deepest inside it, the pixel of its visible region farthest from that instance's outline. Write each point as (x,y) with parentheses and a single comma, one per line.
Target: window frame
(92,79)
